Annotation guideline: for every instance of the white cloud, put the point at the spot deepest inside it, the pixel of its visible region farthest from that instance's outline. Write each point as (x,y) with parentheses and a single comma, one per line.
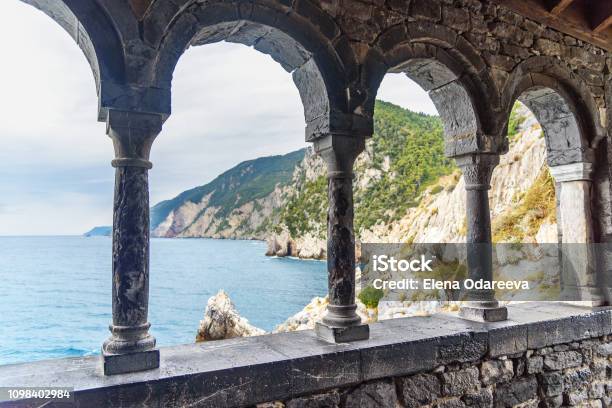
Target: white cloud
(402,91)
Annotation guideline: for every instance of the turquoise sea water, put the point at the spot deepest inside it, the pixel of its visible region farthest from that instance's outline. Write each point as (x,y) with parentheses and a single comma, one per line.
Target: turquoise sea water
(55,291)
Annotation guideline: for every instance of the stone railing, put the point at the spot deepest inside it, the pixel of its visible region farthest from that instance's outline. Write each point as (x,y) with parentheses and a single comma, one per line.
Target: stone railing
(549,354)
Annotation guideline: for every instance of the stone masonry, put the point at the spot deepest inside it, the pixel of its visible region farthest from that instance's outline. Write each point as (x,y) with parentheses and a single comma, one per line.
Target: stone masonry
(475,58)
(570,374)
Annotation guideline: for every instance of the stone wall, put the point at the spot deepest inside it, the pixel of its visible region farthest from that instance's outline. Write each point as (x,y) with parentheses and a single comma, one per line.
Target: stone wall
(546,353)
(570,374)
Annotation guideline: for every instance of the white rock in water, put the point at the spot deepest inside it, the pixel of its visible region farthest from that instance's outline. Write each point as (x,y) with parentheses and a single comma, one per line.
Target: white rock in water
(222,321)
(311,247)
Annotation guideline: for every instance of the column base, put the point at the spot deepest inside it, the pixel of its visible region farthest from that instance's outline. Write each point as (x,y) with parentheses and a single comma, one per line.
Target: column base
(131,362)
(342,334)
(483,314)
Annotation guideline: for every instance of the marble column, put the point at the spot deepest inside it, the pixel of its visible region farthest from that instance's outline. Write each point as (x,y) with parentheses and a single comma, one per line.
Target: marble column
(130,347)
(477,170)
(579,279)
(341,322)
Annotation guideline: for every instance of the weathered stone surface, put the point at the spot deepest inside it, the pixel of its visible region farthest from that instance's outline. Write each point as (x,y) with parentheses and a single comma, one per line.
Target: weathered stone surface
(496,371)
(457,383)
(597,390)
(456,18)
(576,378)
(575,397)
(551,384)
(552,402)
(328,400)
(375,394)
(449,403)
(428,10)
(561,360)
(480,399)
(516,392)
(420,389)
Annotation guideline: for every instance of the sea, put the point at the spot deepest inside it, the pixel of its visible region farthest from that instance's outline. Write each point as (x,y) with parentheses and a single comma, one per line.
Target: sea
(55,291)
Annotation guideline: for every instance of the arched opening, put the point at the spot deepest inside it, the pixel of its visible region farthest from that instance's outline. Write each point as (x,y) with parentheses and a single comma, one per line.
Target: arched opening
(557,209)
(57,184)
(242,119)
(314,67)
(89,26)
(424,187)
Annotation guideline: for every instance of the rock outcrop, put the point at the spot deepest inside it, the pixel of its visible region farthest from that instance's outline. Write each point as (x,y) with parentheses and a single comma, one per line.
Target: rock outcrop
(222,321)
(308,246)
(440,215)
(242,203)
(314,311)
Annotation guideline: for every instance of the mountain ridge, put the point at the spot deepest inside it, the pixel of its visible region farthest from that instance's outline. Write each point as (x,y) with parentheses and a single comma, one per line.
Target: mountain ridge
(404,189)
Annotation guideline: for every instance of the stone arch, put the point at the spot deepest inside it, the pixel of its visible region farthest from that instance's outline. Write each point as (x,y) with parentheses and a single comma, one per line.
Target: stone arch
(563,105)
(448,67)
(93,31)
(310,51)
(570,121)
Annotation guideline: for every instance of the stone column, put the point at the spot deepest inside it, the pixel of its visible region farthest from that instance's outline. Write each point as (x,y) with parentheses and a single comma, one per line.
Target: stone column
(341,322)
(477,170)
(131,347)
(579,278)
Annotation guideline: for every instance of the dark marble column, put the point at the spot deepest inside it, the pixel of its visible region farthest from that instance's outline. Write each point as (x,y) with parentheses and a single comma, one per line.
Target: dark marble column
(341,322)
(130,347)
(477,170)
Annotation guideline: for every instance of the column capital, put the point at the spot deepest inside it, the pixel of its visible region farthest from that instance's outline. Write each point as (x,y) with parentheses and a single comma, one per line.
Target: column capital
(572,172)
(133,134)
(339,153)
(477,169)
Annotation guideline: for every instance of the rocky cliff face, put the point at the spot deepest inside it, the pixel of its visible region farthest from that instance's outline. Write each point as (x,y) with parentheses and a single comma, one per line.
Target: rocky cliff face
(405,191)
(241,203)
(522,202)
(439,215)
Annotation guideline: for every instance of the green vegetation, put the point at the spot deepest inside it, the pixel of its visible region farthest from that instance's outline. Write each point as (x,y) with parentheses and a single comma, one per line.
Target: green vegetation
(403,161)
(306,211)
(413,145)
(537,205)
(370,296)
(515,121)
(245,182)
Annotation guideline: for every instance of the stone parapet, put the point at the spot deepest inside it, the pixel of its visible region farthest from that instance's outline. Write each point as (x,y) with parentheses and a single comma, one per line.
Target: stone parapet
(549,352)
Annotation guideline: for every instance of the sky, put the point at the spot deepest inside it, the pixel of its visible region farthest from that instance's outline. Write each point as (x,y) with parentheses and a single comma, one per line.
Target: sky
(230,104)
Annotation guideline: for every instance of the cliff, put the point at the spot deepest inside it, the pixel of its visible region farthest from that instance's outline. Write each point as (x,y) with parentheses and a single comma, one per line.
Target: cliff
(522,199)
(405,191)
(522,202)
(241,203)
